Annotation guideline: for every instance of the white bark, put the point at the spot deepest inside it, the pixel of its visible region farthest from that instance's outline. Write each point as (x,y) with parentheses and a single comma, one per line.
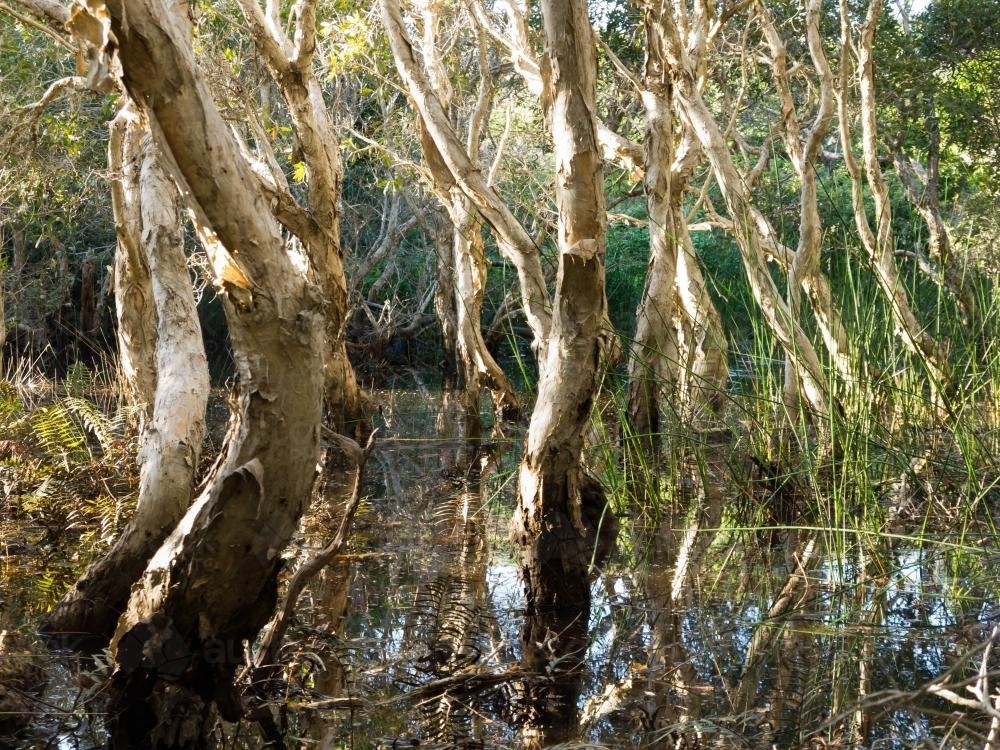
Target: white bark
(467,254)
(213,582)
(879,244)
(290,62)
(439,136)
(560,508)
(165,365)
(804,272)
(683,38)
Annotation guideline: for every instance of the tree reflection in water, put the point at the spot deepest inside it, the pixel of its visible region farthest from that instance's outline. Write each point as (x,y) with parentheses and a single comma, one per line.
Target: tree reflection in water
(701,633)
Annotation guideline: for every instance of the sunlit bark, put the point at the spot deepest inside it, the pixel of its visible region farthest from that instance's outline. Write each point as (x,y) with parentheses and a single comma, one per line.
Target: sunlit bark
(164,361)
(683,36)
(922,188)
(467,254)
(679,355)
(213,582)
(290,62)
(513,39)
(804,272)
(467,174)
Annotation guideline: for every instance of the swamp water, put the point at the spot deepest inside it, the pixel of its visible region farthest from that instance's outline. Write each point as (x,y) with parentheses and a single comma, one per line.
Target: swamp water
(824,639)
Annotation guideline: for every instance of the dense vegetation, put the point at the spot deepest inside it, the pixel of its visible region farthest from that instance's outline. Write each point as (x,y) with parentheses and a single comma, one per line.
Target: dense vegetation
(817,386)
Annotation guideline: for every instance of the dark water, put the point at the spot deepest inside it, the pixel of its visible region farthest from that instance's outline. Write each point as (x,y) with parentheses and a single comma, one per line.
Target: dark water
(768,639)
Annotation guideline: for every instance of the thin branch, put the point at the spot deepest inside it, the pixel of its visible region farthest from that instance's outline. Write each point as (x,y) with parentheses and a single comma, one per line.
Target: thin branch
(50,12)
(267,654)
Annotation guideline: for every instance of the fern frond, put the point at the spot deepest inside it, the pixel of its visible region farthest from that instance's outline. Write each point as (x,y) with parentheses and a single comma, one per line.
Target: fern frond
(58,435)
(97,422)
(79,379)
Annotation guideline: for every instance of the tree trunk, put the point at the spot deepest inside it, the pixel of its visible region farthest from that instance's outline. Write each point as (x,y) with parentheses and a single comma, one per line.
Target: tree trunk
(922,188)
(685,57)
(654,368)
(466,173)
(468,251)
(680,350)
(290,63)
(879,243)
(560,506)
(162,346)
(213,583)
(442,231)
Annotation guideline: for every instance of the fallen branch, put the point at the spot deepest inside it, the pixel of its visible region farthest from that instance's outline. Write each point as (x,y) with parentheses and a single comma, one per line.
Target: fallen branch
(470,682)
(267,654)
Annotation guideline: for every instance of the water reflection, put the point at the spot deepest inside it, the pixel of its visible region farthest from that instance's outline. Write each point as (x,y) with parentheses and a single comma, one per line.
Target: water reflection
(702,636)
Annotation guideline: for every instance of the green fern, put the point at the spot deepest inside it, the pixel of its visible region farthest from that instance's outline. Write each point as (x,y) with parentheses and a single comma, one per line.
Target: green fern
(106,429)
(59,435)
(10,403)
(79,379)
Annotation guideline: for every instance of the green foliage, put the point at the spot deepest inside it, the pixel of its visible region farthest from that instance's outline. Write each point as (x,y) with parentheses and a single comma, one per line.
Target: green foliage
(627,259)
(70,476)
(51,196)
(57,434)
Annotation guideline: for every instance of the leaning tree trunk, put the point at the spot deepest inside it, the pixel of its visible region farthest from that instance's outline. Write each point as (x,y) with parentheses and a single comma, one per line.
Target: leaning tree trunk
(467,255)
(514,242)
(213,583)
(878,243)
(751,228)
(559,505)
(290,63)
(164,354)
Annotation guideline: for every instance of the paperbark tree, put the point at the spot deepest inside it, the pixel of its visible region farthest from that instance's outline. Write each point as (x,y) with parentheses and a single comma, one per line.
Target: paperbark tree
(679,353)
(163,357)
(551,523)
(878,242)
(317,225)
(803,273)
(213,582)
(684,35)
(466,258)
(467,174)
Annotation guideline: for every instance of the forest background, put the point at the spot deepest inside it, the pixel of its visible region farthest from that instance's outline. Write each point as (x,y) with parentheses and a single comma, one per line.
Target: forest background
(788,249)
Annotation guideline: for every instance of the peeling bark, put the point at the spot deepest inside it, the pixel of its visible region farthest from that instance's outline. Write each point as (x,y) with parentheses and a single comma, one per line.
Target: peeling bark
(166,368)
(466,256)
(804,273)
(560,508)
(290,63)
(213,583)
(878,243)
(467,174)
(683,37)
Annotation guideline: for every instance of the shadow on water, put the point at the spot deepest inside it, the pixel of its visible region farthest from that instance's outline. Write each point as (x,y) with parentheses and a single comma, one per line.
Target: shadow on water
(700,634)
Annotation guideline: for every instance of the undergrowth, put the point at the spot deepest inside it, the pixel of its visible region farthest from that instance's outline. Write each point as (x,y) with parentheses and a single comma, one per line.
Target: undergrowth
(69,474)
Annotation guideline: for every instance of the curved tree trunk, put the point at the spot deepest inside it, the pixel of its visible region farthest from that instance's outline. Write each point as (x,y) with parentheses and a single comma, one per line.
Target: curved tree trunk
(164,355)
(685,59)
(804,273)
(467,174)
(468,252)
(213,583)
(879,243)
(290,62)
